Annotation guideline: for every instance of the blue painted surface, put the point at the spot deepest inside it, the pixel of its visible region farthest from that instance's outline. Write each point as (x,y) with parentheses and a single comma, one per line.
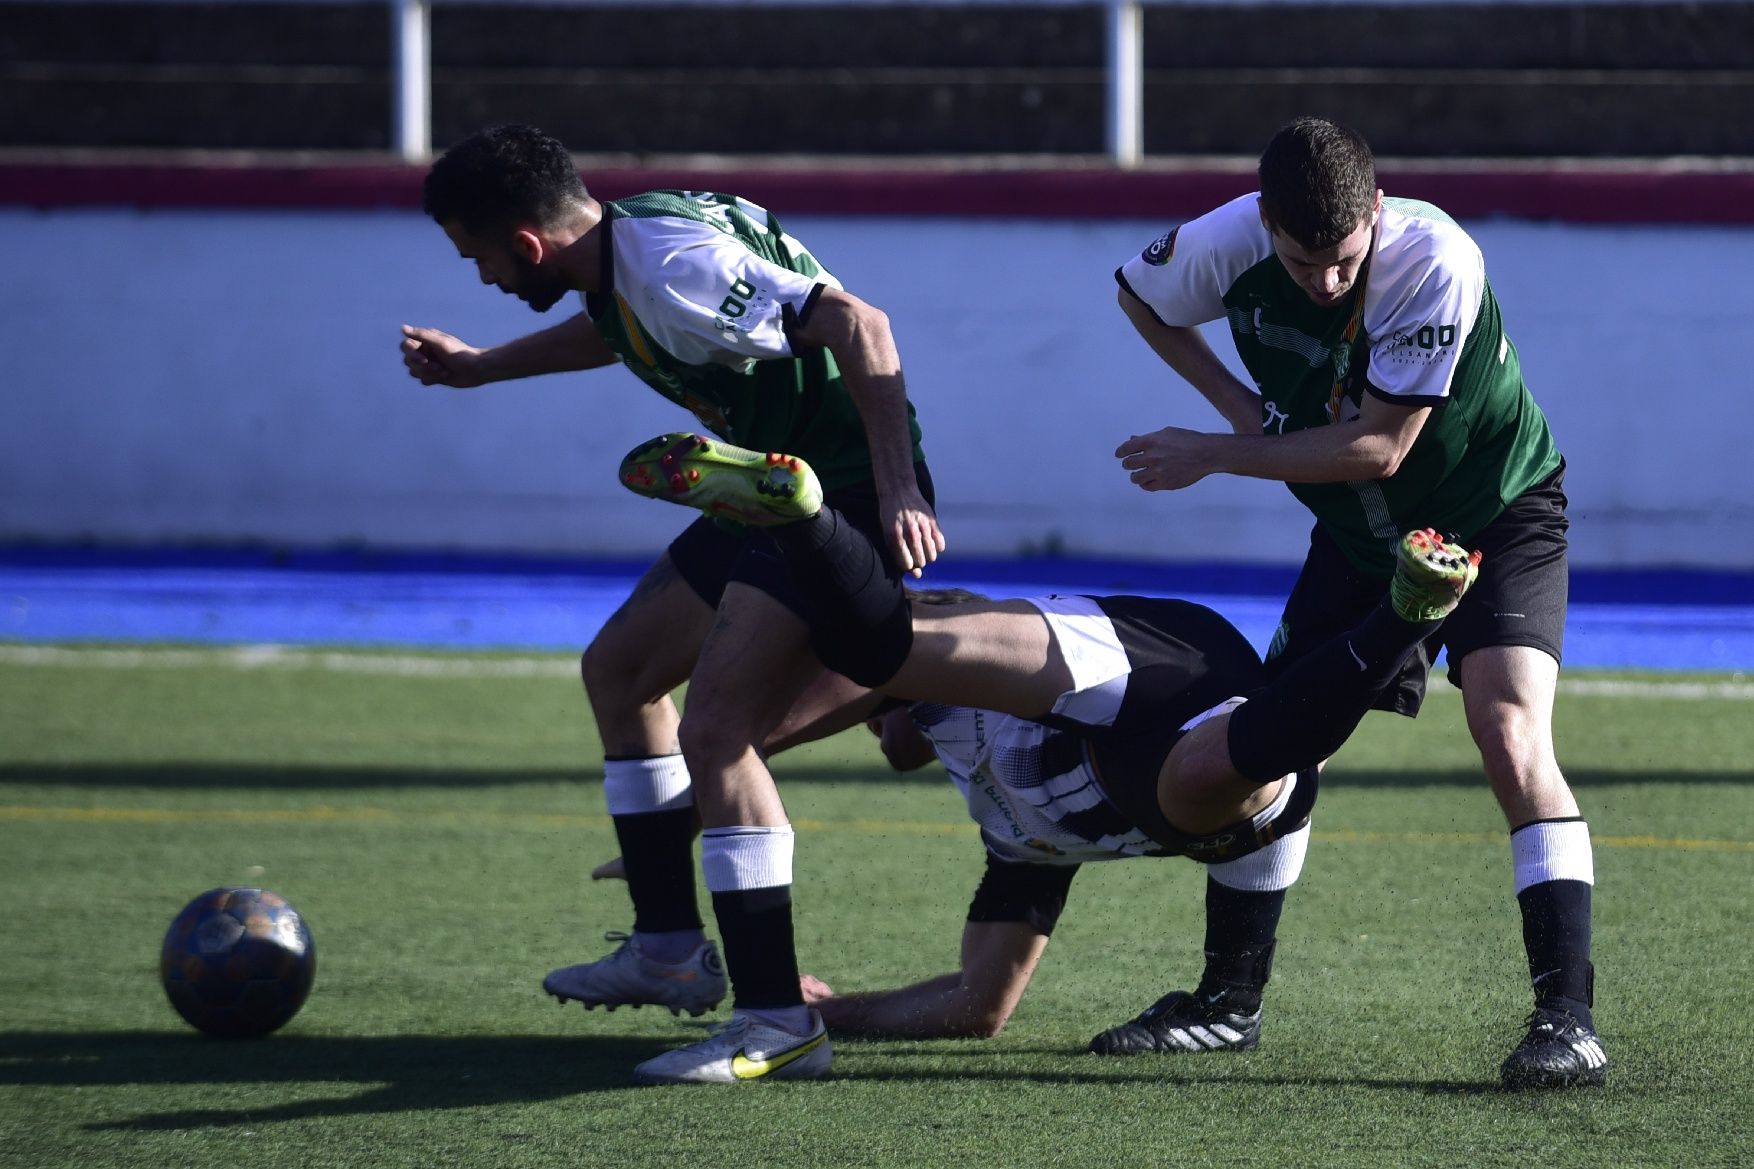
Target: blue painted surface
(1637,620)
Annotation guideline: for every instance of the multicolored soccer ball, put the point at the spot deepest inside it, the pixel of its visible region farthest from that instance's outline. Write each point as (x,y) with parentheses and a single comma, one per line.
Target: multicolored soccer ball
(238,962)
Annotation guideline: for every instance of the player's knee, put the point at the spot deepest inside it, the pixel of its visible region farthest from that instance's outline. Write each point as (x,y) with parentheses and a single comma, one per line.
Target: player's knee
(711,738)
(616,672)
(1513,748)
(603,668)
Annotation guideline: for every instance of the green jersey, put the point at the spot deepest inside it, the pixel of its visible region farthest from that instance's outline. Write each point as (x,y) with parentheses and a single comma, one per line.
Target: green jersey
(1426,333)
(699,295)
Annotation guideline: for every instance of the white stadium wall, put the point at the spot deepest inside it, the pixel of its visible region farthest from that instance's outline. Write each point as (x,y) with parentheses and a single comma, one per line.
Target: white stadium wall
(198,378)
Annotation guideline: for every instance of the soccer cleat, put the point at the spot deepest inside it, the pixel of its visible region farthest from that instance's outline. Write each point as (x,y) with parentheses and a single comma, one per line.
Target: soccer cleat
(723,480)
(628,978)
(1430,576)
(1558,1052)
(744,1049)
(1181,1021)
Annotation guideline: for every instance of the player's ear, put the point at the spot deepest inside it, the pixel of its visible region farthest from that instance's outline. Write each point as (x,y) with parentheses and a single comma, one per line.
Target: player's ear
(529,245)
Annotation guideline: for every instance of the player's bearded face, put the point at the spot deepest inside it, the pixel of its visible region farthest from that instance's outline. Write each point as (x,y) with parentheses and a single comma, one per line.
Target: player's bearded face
(536,286)
(499,263)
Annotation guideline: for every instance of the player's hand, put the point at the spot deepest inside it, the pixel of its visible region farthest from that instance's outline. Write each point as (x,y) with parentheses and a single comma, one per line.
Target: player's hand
(1167,459)
(813,989)
(436,358)
(613,869)
(913,528)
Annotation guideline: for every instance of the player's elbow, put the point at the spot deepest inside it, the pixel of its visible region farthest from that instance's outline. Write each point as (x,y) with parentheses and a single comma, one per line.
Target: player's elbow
(868,325)
(1380,457)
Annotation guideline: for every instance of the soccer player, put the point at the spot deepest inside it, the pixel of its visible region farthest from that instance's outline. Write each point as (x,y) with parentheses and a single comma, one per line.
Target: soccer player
(1387,395)
(1079,729)
(707,300)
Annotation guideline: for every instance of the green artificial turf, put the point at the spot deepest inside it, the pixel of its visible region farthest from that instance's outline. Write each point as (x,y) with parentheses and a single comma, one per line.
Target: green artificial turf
(436,829)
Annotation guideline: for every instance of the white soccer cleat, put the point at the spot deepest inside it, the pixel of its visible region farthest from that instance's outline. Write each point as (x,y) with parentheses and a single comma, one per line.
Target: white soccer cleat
(628,978)
(744,1049)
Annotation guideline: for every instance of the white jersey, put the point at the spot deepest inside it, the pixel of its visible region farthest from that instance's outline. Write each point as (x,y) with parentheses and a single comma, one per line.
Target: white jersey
(1032,788)
(702,294)
(1422,298)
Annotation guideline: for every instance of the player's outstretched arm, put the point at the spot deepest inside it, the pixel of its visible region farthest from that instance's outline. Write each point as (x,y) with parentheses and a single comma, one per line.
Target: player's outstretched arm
(859,336)
(998,959)
(1184,350)
(436,358)
(829,705)
(1365,448)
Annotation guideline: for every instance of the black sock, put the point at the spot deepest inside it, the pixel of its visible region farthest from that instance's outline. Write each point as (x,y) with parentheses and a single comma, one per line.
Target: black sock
(1311,709)
(755,926)
(657,849)
(1556,934)
(1241,925)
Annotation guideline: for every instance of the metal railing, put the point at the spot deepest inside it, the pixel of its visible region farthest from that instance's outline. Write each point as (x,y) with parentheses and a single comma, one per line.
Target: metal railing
(411,128)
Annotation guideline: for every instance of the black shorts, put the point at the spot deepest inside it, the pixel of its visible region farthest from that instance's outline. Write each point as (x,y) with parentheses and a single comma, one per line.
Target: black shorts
(1183,659)
(1032,894)
(708,554)
(1519,599)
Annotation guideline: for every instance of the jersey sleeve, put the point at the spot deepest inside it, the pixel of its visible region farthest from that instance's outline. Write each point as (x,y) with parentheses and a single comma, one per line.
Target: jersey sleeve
(704,296)
(1427,295)
(1182,276)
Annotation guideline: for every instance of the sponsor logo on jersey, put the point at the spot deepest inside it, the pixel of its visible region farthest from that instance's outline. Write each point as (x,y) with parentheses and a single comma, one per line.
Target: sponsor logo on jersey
(1161,249)
(1421,345)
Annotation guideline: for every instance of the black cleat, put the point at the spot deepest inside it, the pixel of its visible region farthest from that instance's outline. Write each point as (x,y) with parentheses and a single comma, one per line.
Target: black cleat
(1558,1052)
(1180,1021)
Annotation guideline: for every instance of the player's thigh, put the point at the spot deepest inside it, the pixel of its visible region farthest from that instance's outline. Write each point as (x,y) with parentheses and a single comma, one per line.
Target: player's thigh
(996,655)
(1521,595)
(1507,693)
(754,663)
(648,646)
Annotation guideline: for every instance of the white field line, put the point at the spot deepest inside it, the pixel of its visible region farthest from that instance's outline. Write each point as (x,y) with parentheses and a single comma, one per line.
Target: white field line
(281,657)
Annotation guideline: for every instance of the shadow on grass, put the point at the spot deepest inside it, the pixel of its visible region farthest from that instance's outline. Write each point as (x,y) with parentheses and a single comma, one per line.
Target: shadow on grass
(425,1073)
(178,776)
(405,1073)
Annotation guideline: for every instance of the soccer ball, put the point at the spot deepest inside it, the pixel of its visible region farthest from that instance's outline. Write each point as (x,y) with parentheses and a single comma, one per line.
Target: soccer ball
(238,962)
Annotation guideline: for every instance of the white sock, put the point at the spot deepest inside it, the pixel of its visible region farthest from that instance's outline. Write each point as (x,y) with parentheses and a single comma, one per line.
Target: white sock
(1270,869)
(659,783)
(746,856)
(1552,850)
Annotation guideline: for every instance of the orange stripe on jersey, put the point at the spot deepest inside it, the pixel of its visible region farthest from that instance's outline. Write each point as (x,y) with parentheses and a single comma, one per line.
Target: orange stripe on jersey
(631,323)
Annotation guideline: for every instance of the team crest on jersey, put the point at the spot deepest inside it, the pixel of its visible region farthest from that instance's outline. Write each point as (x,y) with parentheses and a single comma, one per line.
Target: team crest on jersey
(1161,249)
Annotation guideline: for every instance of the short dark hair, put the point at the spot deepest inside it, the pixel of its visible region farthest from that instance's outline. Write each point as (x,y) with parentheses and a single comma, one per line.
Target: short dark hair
(502,176)
(1318,182)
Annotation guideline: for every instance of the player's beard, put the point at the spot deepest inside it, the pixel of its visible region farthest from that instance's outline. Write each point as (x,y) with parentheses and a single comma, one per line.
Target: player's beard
(539,289)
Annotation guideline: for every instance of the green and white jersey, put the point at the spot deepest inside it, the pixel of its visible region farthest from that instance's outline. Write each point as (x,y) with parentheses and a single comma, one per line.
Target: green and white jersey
(699,295)
(1429,334)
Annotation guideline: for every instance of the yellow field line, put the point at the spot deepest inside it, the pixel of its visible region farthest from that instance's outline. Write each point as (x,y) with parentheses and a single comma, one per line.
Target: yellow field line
(323,814)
